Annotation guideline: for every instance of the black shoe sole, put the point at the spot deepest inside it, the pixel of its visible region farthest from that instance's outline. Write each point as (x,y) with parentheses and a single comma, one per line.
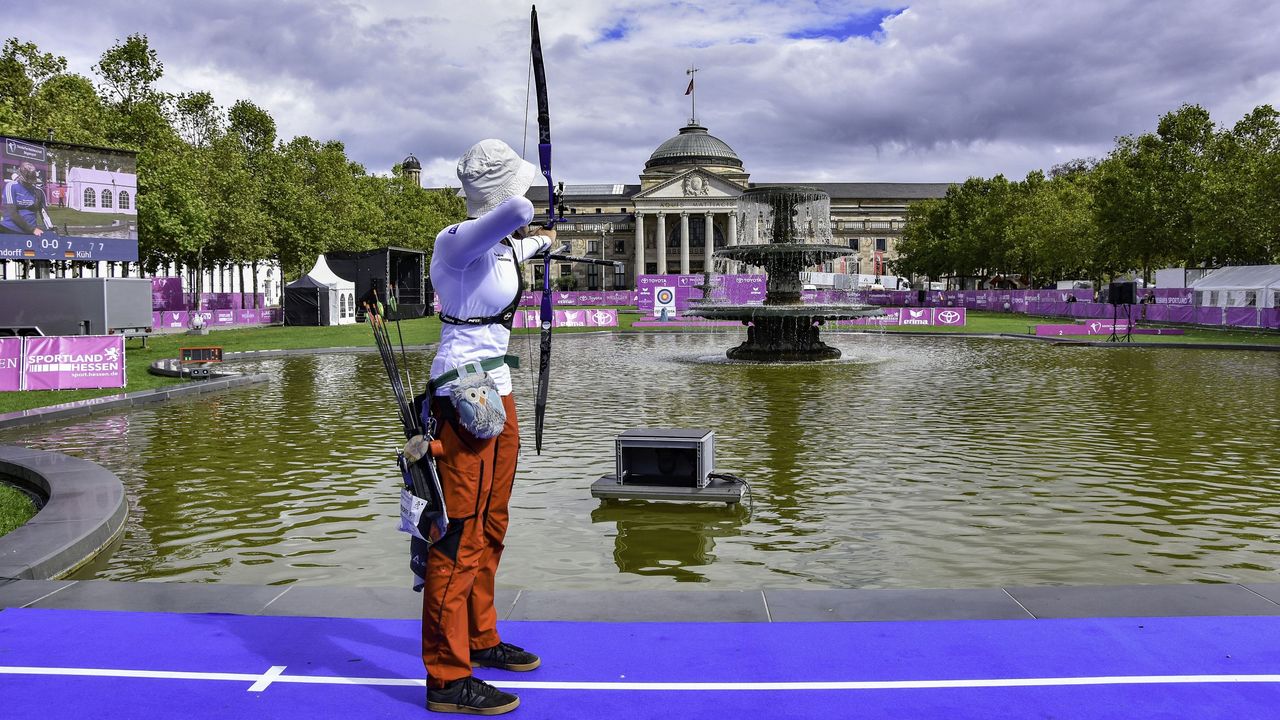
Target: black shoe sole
(446,707)
(524,667)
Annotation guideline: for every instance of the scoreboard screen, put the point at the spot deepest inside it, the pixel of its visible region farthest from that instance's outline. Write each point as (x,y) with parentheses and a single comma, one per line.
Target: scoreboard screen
(200,355)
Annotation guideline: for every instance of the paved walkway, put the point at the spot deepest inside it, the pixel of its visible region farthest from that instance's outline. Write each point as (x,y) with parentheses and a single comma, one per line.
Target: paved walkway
(159,650)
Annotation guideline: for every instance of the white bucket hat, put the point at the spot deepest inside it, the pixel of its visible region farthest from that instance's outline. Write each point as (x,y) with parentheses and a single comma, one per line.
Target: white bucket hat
(492,172)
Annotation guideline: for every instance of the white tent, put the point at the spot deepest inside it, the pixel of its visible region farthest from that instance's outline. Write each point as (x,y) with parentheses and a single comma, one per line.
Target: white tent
(1255,286)
(320,298)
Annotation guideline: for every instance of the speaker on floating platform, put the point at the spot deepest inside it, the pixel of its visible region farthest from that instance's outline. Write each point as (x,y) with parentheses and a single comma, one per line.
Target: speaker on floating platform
(665,456)
(1122,293)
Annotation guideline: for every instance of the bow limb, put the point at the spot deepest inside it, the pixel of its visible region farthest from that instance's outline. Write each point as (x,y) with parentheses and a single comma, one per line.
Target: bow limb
(546,316)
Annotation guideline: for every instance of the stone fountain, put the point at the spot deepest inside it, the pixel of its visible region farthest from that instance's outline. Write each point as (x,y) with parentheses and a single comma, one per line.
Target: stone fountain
(785,230)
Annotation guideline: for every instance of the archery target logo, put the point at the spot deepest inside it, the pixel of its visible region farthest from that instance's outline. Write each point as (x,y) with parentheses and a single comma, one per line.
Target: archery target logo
(664,301)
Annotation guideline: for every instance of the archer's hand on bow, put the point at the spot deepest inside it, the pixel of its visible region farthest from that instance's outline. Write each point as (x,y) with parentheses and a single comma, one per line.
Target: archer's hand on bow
(532,230)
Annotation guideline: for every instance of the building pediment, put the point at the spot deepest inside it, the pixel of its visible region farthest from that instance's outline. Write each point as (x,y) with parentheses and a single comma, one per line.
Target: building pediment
(693,185)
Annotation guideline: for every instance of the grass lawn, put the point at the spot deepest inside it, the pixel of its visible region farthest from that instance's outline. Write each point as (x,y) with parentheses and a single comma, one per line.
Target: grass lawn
(427,330)
(68,216)
(15,508)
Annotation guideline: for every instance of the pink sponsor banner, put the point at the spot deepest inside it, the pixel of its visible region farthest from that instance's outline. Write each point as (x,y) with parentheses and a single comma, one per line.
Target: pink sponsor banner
(75,362)
(10,364)
(568,318)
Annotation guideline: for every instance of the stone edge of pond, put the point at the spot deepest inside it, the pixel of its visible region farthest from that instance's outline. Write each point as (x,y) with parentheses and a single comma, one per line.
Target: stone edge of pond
(667,605)
(83,514)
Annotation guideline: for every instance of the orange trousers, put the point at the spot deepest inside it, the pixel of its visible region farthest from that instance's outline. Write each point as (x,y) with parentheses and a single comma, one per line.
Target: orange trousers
(457,601)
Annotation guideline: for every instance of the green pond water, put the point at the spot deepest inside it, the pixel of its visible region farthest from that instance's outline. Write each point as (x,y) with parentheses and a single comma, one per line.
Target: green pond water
(912,462)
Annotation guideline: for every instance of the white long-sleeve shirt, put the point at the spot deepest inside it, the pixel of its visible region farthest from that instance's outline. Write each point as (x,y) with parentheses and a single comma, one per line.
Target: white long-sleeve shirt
(475,275)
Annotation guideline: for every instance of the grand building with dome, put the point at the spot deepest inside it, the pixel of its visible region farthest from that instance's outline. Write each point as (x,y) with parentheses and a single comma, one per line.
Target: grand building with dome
(683,208)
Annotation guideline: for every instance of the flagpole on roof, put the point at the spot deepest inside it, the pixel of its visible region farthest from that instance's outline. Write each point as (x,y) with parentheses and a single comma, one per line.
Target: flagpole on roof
(693,95)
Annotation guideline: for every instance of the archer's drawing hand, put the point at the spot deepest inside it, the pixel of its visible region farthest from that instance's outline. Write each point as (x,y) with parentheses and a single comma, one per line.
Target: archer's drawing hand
(533,230)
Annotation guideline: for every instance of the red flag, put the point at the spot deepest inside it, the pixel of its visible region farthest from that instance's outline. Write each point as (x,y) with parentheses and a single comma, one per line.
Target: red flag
(690,90)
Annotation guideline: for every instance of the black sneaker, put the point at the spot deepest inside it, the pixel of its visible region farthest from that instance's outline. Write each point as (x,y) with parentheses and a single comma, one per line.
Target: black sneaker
(471,696)
(505,656)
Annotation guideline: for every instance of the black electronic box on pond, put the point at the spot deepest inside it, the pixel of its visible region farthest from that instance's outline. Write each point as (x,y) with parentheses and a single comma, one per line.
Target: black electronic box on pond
(665,456)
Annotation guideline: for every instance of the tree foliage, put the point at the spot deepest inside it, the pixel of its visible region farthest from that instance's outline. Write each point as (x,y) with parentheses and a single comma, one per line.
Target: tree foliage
(1190,193)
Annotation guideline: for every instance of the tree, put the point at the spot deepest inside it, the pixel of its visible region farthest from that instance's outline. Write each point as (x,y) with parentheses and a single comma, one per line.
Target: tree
(23,72)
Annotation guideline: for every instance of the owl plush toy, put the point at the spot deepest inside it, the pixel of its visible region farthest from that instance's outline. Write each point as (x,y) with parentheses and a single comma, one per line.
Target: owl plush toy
(480,410)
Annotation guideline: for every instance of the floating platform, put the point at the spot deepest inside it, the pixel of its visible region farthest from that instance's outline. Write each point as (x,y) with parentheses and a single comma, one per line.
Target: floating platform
(722,491)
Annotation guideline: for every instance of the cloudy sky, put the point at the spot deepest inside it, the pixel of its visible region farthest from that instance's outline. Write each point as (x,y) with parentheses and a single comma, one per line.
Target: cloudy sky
(923,91)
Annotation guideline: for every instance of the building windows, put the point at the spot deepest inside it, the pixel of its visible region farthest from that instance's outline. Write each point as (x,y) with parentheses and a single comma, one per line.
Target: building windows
(853,243)
(90,199)
(622,210)
(124,199)
(619,247)
(882,244)
(593,247)
(597,211)
(566,270)
(106,198)
(593,277)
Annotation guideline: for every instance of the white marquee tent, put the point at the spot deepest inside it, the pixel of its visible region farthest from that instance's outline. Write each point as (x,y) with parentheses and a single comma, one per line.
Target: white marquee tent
(320,298)
(1256,286)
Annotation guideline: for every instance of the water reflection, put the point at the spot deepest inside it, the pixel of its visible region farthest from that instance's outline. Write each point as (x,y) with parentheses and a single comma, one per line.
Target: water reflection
(917,462)
(666,539)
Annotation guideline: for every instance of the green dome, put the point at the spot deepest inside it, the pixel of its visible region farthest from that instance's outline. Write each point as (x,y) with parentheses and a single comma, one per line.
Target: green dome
(693,146)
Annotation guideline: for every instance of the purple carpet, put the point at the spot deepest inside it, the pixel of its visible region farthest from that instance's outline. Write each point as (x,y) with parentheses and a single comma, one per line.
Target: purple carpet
(95,664)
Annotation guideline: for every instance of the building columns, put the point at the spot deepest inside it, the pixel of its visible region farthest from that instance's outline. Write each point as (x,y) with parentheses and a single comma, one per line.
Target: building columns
(684,243)
(639,247)
(708,242)
(732,239)
(662,243)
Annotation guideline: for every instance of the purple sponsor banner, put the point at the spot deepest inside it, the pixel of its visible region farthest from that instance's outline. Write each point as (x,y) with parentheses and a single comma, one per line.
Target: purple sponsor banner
(1180,313)
(1271,318)
(734,289)
(1209,316)
(221,317)
(271,315)
(568,318)
(1174,296)
(952,317)
(174,319)
(1155,313)
(10,364)
(75,362)
(166,294)
(248,317)
(915,316)
(1242,317)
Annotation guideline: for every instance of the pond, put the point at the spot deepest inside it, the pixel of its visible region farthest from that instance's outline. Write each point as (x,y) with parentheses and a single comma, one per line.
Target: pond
(911,462)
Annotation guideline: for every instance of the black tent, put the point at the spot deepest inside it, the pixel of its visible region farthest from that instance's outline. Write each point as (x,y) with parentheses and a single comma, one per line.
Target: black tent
(319,298)
(401,269)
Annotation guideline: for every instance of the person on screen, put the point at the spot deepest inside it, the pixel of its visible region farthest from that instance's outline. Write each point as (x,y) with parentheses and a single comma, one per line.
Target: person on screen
(22,202)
